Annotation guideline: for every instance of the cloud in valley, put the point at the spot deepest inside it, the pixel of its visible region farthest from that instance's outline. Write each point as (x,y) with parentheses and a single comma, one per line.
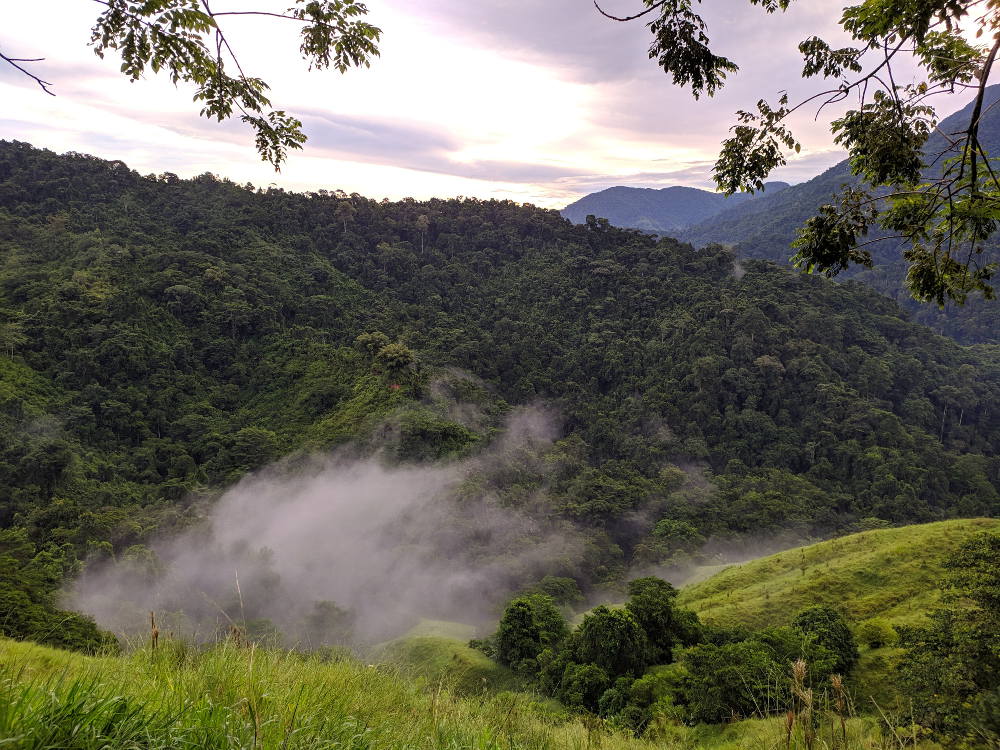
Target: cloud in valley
(391,544)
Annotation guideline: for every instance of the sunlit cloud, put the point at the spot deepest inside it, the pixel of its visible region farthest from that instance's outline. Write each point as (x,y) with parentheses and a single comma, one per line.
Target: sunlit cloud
(535,101)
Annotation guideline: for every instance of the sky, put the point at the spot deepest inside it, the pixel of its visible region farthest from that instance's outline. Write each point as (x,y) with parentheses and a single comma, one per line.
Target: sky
(538,101)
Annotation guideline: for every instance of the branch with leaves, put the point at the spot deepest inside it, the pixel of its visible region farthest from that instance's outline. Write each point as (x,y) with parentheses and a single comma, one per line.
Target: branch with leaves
(185,40)
(944,205)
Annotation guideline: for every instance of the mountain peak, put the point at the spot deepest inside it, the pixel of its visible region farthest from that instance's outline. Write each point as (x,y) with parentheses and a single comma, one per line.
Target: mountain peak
(667,210)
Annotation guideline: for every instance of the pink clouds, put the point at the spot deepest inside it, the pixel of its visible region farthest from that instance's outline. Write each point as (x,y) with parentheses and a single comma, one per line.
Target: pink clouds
(535,101)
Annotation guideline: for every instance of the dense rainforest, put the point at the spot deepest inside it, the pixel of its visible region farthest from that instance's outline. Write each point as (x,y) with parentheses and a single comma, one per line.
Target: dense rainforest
(160,337)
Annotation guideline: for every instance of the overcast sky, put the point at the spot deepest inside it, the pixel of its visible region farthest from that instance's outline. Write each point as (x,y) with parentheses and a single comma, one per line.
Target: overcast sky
(539,101)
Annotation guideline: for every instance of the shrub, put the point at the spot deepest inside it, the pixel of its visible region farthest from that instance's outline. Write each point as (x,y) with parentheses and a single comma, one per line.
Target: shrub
(830,630)
(876,633)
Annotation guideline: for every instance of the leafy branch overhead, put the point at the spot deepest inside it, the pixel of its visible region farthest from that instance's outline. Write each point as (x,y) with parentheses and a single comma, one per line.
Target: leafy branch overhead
(944,205)
(185,40)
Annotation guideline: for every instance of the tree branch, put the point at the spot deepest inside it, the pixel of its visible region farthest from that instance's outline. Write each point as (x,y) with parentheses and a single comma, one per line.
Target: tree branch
(973,132)
(14,62)
(648,10)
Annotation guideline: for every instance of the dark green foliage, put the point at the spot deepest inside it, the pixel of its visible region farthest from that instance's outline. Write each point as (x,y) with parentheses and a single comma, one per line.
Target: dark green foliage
(582,686)
(829,629)
(651,603)
(734,680)
(29,579)
(680,46)
(564,591)
(748,674)
(552,628)
(951,669)
(529,624)
(613,640)
(518,636)
(789,644)
(614,700)
(164,336)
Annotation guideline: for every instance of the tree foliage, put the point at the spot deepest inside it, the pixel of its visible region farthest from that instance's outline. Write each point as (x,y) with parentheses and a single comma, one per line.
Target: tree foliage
(529,624)
(951,668)
(185,40)
(944,206)
(829,629)
(174,334)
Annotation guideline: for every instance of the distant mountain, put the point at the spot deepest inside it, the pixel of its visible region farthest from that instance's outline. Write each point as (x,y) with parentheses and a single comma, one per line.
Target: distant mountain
(766,227)
(664,211)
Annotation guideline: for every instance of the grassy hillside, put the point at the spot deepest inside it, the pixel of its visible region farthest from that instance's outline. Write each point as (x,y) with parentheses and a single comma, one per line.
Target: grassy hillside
(235,697)
(889,573)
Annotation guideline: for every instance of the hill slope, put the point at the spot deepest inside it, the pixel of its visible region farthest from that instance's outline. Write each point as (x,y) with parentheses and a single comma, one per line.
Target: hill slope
(162,337)
(889,573)
(663,211)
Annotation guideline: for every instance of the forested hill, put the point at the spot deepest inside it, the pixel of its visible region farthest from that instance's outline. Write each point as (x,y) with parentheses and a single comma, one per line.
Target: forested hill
(765,228)
(667,210)
(161,336)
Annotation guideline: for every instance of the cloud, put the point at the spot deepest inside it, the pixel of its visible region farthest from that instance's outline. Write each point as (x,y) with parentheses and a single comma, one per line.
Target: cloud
(413,146)
(535,101)
(392,544)
(565,34)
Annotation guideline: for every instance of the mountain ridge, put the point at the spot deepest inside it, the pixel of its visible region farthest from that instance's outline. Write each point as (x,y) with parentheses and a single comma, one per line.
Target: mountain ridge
(666,210)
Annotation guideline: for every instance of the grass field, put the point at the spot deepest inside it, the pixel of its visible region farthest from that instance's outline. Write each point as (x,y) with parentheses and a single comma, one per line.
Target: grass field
(430,690)
(891,573)
(232,696)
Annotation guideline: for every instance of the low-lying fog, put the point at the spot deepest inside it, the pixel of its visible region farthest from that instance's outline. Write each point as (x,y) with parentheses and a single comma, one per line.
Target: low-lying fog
(390,544)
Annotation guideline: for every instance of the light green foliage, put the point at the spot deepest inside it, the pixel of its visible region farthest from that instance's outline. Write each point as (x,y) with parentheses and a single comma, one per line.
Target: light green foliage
(876,632)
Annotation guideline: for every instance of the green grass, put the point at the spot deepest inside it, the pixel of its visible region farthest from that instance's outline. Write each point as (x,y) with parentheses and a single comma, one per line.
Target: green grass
(431,659)
(232,696)
(891,573)
(430,690)
(238,697)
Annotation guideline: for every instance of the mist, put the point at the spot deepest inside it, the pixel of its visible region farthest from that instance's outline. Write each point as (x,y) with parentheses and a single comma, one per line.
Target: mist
(387,545)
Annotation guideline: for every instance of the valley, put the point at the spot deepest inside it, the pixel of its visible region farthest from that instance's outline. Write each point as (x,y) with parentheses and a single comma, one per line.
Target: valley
(316,423)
